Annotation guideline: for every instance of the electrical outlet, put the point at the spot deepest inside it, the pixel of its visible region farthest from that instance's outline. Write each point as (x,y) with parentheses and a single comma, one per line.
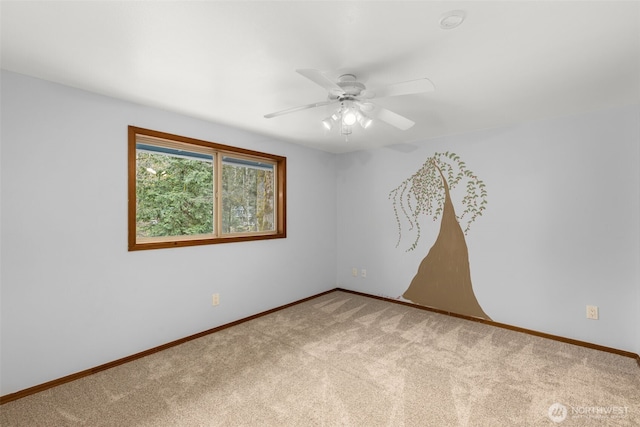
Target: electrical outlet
(592,312)
(215,300)
(354,272)
(363,272)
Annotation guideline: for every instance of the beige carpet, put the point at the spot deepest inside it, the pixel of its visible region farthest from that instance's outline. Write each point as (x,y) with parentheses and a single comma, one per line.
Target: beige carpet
(348,360)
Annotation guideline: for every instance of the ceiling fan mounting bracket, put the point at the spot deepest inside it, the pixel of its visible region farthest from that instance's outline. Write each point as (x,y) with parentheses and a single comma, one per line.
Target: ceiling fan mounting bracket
(347,78)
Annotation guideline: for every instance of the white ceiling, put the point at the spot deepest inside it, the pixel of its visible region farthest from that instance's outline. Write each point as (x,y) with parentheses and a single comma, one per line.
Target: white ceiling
(232,62)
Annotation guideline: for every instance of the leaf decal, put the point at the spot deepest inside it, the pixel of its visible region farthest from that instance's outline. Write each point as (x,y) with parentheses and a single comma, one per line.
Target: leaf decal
(423,193)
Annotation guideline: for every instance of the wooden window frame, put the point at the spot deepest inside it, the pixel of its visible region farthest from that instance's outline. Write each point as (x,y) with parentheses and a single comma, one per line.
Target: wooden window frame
(220,150)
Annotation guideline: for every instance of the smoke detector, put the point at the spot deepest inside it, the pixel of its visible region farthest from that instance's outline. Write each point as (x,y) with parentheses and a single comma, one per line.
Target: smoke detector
(452,19)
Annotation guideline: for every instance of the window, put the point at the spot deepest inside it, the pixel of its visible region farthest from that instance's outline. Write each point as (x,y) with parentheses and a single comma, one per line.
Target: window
(185,192)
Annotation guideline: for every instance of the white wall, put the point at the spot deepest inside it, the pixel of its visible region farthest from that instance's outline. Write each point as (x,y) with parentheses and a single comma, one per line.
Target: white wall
(561,231)
(73,297)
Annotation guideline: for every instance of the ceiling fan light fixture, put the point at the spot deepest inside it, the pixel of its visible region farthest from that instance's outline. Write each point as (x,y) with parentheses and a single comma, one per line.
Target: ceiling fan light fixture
(349,113)
(353,97)
(364,120)
(349,118)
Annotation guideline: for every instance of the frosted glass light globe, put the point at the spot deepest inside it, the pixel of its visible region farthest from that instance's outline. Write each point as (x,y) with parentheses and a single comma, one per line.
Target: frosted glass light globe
(349,118)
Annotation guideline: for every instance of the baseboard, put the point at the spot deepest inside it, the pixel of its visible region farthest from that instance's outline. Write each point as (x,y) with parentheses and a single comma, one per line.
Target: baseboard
(505,326)
(50,384)
(76,376)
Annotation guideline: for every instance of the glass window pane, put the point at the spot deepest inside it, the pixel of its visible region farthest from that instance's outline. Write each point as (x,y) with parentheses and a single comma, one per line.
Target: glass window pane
(247,196)
(178,185)
(174,193)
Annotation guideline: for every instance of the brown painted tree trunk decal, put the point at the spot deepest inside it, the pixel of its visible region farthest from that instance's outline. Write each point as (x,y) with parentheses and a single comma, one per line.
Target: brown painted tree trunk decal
(443,280)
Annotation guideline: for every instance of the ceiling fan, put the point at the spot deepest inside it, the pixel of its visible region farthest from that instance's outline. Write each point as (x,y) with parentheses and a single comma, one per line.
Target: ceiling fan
(354,100)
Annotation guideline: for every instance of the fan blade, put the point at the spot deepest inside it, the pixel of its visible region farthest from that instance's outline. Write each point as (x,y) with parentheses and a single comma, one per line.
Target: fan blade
(366,106)
(397,89)
(318,78)
(394,119)
(300,108)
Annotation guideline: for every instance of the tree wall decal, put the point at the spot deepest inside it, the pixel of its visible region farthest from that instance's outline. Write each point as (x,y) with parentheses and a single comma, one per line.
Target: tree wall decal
(443,280)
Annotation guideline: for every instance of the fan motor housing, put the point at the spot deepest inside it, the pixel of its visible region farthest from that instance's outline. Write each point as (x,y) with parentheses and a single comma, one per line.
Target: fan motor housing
(350,86)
